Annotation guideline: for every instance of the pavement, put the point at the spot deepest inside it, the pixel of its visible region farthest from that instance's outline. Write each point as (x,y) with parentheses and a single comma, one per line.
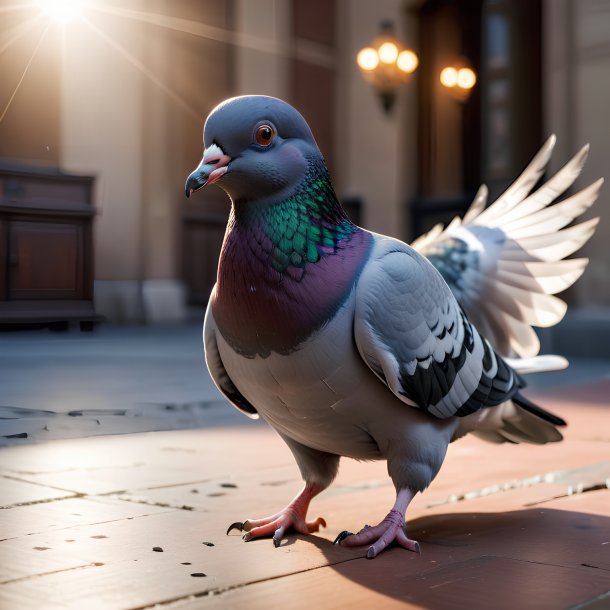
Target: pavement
(122,468)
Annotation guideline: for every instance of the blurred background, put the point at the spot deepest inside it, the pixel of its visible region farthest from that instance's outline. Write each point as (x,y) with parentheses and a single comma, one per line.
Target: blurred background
(102,105)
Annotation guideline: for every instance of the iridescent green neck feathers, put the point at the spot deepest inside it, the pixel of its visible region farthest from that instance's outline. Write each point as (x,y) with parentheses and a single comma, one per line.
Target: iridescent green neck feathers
(304,226)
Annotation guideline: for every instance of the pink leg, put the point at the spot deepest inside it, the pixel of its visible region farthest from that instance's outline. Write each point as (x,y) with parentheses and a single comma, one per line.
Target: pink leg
(390,529)
(293,516)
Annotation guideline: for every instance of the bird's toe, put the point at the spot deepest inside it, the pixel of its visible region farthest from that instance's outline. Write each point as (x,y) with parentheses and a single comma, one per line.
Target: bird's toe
(391,529)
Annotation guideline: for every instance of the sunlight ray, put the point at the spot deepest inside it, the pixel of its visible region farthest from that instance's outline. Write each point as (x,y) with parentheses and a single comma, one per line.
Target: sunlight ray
(140,66)
(196,28)
(312,52)
(19,31)
(25,71)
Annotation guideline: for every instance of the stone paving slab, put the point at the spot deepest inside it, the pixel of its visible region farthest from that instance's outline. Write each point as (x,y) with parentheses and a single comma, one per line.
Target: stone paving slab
(40,518)
(502,526)
(16,491)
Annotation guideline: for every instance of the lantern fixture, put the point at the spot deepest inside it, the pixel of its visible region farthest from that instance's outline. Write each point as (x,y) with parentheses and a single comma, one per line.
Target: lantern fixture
(458,79)
(386,64)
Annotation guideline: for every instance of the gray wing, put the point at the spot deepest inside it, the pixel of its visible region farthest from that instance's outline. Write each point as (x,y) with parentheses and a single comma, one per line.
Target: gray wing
(217,369)
(505,262)
(413,335)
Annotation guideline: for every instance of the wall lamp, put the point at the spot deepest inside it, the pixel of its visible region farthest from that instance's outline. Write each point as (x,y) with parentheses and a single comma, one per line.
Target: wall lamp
(386,64)
(458,79)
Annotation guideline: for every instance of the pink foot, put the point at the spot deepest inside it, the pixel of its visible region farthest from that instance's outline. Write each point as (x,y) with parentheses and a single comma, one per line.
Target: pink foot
(293,516)
(392,528)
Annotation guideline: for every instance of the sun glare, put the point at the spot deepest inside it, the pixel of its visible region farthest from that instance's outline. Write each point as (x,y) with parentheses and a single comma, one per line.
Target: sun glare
(62,10)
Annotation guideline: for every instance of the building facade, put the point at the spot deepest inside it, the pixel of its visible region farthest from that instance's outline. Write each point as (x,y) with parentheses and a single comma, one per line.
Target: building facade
(122,94)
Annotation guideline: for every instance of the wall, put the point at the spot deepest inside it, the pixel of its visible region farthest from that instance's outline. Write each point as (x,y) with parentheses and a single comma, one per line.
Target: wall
(261,55)
(30,67)
(577,98)
(100,136)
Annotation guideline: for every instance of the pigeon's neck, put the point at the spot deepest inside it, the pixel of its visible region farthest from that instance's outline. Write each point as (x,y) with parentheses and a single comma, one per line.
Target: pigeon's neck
(286,267)
(300,227)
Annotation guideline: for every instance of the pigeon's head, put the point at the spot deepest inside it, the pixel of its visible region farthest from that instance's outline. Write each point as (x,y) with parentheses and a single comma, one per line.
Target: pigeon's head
(255,147)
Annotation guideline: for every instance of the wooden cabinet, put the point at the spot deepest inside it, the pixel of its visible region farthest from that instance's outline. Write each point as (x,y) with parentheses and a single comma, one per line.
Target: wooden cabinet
(46,251)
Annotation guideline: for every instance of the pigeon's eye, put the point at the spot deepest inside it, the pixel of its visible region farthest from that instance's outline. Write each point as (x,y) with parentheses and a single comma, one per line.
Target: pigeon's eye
(264,135)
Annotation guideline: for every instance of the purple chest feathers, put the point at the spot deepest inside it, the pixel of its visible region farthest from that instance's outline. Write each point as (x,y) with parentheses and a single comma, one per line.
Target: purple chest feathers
(283,274)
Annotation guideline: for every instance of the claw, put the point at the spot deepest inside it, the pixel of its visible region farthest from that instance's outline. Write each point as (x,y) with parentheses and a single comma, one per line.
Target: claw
(276,542)
(238,525)
(342,536)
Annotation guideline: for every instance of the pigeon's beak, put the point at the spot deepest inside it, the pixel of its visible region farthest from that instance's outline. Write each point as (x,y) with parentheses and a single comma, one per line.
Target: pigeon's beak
(213,166)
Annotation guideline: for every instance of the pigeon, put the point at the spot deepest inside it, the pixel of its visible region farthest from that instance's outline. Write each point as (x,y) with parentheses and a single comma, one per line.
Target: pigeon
(351,343)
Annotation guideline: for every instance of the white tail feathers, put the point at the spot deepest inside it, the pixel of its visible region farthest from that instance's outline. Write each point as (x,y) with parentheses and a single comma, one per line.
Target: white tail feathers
(537,364)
